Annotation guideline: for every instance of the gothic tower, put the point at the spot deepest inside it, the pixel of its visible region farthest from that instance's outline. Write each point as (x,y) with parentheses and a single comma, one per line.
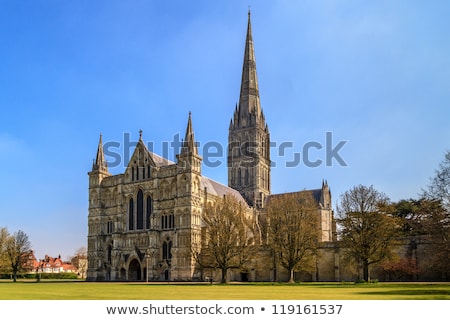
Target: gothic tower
(99,168)
(249,137)
(189,157)
(98,173)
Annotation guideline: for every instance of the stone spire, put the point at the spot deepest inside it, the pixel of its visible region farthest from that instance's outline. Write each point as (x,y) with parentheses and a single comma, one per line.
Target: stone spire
(100,163)
(189,157)
(248,135)
(189,146)
(249,96)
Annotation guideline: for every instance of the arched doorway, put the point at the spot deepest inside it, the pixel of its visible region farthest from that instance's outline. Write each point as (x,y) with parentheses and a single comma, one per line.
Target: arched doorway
(134,271)
(166,275)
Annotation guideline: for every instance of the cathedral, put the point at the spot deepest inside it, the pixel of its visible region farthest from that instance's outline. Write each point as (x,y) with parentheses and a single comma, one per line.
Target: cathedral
(143,222)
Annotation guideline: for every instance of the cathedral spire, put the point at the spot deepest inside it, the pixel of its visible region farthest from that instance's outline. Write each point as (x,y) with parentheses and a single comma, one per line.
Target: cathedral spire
(248,135)
(100,163)
(189,145)
(249,96)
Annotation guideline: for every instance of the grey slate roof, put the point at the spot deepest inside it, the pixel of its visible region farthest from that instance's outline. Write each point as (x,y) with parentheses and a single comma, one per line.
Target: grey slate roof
(316,193)
(160,161)
(218,189)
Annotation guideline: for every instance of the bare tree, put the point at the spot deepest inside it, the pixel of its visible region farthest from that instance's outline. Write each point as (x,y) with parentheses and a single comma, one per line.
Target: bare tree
(439,186)
(79,260)
(367,233)
(293,230)
(228,236)
(18,248)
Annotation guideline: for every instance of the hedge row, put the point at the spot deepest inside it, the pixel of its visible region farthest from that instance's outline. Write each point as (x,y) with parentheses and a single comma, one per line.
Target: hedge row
(42,275)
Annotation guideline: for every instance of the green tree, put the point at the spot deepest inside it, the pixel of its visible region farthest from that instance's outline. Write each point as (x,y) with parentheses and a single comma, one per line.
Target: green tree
(293,230)
(4,236)
(367,233)
(228,238)
(436,223)
(437,216)
(426,218)
(18,248)
(410,214)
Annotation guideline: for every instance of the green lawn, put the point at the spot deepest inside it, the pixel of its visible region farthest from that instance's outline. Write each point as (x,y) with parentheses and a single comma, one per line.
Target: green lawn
(76,290)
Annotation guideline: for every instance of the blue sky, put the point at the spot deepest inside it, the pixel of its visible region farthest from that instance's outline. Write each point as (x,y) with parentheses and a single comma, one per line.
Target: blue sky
(374,73)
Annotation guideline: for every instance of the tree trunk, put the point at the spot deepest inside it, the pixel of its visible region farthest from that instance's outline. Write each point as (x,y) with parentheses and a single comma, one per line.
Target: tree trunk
(224,275)
(366,276)
(291,277)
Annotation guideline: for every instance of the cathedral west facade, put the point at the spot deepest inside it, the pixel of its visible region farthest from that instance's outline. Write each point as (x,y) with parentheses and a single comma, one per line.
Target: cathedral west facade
(143,222)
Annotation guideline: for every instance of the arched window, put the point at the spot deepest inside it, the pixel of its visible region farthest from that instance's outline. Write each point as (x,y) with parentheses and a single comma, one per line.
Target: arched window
(140,210)
(132,173)
(130,214)
(246,177)
(148,212)
(167,221)
(167,248)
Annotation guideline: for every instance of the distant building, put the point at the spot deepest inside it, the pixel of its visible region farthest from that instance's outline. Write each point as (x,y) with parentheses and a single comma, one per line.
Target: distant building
(55,265)
(47,265)
(31,264)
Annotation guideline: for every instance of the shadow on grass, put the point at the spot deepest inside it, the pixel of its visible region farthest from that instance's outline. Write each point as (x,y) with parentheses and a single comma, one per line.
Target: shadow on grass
(445,294)
(47,281)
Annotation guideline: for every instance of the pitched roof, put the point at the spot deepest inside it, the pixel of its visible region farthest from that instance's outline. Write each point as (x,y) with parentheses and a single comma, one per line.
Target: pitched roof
(157,159)
(316,194)
(218,189)
(160,161)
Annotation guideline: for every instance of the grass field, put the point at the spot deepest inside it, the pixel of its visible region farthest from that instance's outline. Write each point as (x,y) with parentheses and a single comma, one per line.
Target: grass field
(77,290)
